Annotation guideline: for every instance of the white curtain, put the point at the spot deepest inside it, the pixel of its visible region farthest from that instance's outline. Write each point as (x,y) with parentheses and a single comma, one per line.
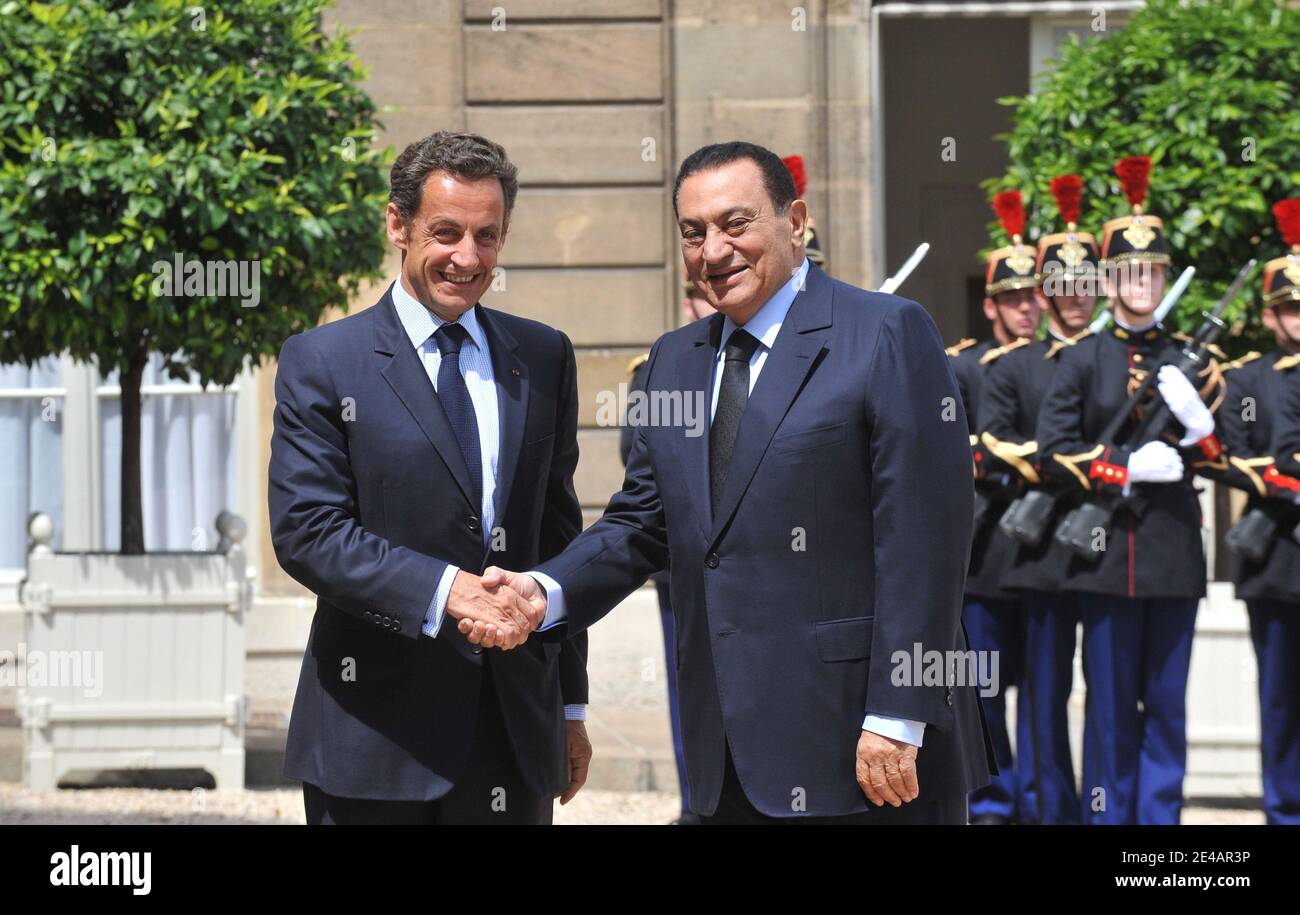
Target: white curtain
(31,475)
(187,457)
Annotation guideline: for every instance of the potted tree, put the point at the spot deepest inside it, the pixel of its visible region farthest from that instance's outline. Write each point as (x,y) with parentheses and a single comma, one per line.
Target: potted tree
(196,184)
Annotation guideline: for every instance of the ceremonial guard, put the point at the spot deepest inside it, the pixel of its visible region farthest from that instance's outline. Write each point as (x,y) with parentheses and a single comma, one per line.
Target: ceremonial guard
(1012,395)
(993,615)
(1265,556)
(1140,575)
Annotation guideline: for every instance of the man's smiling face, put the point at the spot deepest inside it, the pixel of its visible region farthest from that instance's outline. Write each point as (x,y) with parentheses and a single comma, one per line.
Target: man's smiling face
(737,248)
(452,242)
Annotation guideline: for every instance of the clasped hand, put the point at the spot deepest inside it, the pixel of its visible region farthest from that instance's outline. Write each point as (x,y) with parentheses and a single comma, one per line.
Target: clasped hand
(497,610)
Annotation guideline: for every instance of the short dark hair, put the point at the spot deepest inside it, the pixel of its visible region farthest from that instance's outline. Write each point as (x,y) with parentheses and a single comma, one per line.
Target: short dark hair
(466,155)
(776,177)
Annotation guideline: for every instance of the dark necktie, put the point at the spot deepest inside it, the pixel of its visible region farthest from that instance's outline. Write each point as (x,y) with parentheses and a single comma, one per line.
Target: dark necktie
(732,396)
(456,403)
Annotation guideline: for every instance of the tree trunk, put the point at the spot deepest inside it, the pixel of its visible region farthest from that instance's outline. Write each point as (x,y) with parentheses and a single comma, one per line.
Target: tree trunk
(132,503)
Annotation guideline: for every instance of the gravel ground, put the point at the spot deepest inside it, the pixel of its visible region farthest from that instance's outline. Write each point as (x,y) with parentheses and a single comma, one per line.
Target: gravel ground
(280,806)
(277,806)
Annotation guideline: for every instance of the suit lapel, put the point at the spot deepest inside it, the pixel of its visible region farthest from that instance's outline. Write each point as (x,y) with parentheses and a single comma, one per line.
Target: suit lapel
(405,374)
(793,355)
(512,402)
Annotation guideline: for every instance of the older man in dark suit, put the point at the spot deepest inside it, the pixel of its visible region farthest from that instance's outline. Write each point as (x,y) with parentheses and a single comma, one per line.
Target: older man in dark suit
(818,518)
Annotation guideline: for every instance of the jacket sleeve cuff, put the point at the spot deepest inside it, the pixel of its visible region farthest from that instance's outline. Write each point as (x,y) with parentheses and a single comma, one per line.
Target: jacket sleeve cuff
(1109,472)
(438,606)
(903,729)
(556,611)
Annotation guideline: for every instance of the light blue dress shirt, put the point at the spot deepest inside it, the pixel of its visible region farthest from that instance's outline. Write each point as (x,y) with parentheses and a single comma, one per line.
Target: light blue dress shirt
(764,325)
(476,367)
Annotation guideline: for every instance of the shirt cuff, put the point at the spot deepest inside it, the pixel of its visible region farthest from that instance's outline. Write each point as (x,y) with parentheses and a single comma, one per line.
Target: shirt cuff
(437,606)
(556,612)
(904,729)
(575,713)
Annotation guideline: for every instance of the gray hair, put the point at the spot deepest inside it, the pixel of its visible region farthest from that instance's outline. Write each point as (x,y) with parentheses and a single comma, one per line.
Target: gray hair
(466,155)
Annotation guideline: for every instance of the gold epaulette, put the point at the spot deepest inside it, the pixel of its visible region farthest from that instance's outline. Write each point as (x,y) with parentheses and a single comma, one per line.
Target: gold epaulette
(1059,345)
(1287,363)
(960,345)
(1238,363)
(1001,351)
(637,362)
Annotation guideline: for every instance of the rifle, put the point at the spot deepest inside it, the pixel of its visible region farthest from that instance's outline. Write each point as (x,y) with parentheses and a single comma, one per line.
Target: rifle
(1078,529)
(893,282)
(1030,516)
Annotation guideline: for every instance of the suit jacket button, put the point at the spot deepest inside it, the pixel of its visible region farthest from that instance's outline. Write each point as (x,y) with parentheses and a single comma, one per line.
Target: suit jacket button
(473,523)
(949,698)
(478,651)
(712,560)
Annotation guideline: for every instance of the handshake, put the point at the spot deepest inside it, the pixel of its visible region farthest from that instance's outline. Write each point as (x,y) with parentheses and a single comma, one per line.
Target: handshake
(497,610)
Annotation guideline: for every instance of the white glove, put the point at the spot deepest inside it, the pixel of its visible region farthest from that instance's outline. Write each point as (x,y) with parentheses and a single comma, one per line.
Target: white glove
(1155,462)
(1185,403)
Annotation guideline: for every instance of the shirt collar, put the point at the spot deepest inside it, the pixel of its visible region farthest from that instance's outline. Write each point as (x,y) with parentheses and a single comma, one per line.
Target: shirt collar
(420,323)
(766,323)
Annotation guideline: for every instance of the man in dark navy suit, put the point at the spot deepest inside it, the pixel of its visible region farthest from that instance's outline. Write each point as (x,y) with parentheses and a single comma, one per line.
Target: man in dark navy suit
(415,442)
(818,516)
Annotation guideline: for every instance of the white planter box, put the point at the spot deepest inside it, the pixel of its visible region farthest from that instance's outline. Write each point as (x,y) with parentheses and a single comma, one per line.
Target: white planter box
(134,662)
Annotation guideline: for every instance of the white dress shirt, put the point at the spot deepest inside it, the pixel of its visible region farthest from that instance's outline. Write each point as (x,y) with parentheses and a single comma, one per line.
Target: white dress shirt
(764,325)
(476,367)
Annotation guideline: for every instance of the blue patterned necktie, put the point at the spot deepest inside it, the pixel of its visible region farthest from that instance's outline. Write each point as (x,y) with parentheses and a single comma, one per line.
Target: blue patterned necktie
(456,402)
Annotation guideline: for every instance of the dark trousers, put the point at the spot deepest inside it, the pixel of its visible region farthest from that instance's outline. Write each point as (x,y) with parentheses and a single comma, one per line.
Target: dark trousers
(1135,650)
(734,809)
(999,625)
(1050,638)
(674,715)
(490,791)
(1275,630)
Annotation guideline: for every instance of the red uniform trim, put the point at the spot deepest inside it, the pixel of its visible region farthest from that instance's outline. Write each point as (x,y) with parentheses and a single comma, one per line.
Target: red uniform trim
(1107,473)
(1275,477)
(1210,447)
